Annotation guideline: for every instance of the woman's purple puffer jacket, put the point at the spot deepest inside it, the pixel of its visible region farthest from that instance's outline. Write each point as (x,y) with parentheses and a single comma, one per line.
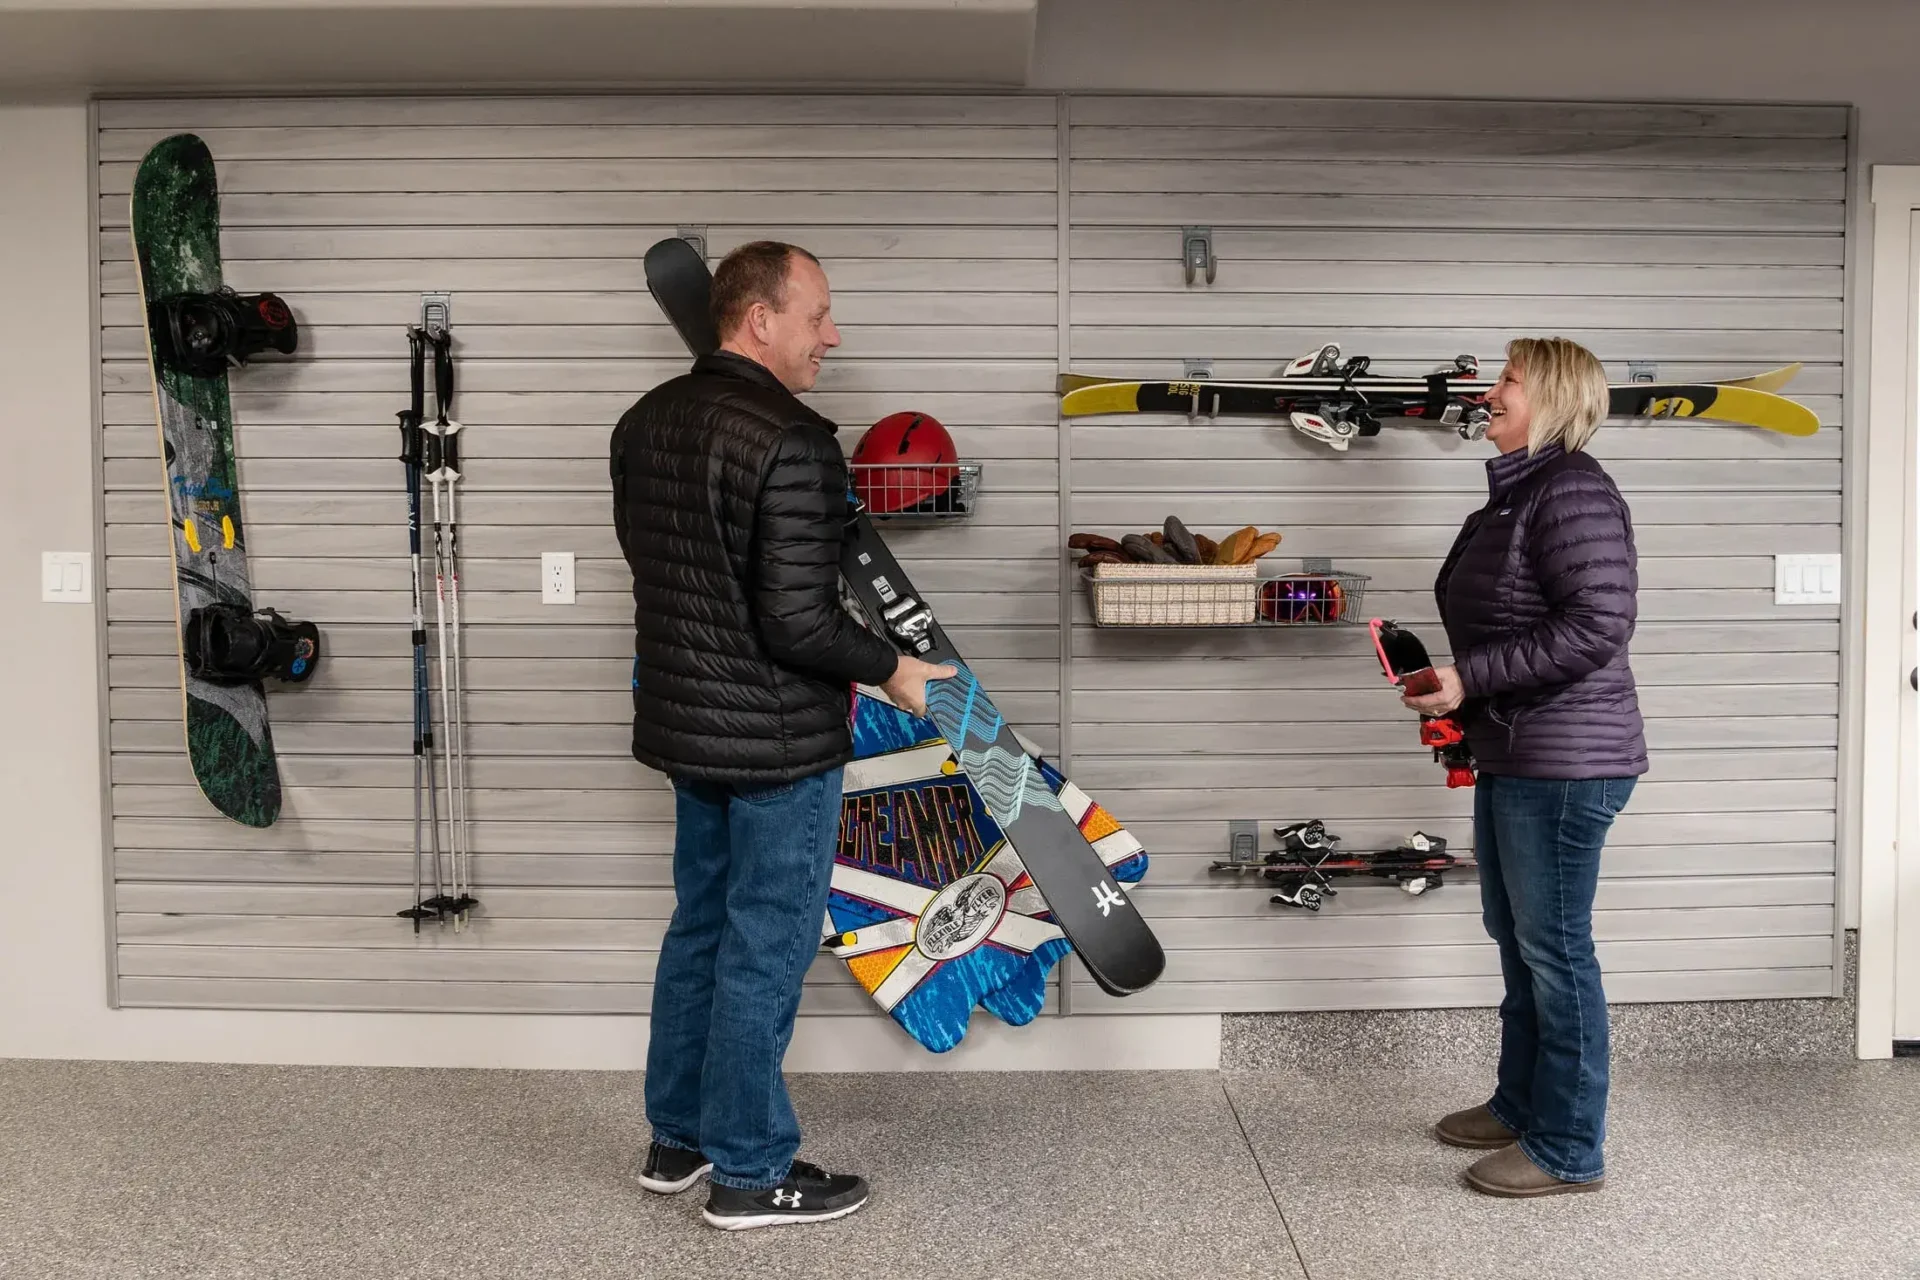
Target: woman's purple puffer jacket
(1537,597)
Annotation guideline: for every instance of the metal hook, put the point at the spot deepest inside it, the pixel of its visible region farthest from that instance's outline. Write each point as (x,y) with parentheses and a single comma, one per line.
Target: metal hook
(1196,252)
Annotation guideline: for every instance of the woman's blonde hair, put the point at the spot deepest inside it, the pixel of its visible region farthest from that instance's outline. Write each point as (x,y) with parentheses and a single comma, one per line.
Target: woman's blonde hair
(1566,389)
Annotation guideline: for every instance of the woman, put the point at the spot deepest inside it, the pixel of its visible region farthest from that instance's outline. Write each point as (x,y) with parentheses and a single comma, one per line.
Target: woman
(1537,597)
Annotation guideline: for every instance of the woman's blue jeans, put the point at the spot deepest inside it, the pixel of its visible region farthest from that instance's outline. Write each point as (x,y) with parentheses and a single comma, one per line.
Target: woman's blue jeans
(1538,841)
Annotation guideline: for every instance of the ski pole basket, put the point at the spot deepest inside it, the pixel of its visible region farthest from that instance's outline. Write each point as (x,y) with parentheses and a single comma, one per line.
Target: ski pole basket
(915,490)
(1317,595)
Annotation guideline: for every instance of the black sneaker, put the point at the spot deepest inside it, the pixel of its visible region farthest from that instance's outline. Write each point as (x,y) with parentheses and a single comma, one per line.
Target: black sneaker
(670,1169)
(807,1194)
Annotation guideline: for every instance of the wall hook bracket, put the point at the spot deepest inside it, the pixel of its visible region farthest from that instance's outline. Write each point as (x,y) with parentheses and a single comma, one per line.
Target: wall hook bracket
(436,312)
(1196,252)
(695,236)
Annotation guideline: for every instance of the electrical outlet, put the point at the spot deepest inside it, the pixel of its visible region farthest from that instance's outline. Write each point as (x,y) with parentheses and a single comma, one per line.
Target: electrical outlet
(1806,579)
(66,577)
(556,577)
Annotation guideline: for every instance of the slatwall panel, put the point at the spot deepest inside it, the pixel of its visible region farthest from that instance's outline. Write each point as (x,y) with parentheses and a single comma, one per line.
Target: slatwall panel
(937,218)
(1709,241)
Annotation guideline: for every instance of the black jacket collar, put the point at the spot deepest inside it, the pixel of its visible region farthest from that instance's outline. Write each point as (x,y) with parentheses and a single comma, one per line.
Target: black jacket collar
(726,364)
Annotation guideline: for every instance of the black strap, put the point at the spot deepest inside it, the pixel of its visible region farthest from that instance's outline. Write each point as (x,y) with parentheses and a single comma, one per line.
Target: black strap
(443,371)
(412,448)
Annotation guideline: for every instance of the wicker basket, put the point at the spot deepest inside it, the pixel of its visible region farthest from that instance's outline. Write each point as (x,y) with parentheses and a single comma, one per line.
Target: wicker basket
(1175,595)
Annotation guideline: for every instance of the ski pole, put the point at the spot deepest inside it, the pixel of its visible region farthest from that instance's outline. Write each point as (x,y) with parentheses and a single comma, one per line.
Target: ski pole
(447,430)
(411,456)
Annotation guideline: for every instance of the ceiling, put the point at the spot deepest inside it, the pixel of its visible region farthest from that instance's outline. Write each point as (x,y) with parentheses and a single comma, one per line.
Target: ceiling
(59,46)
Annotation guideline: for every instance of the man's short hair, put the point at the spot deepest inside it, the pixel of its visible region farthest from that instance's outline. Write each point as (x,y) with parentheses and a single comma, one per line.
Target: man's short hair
(755,272)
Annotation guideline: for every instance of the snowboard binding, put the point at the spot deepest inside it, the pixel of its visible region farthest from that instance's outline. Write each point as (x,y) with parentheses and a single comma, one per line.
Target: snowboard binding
(1404,660)
(226,644)
(203,334)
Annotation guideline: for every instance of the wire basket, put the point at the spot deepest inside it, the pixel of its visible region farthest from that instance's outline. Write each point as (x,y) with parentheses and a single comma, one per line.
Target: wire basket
(916,490)
(1183,595)
(1316,596)
(1174,595)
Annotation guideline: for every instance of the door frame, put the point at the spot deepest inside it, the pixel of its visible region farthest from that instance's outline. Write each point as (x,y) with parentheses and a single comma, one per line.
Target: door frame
(1886,738)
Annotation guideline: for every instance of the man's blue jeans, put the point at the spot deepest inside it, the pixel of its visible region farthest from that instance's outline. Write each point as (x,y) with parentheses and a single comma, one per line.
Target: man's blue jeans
(1538,844)
(751,868)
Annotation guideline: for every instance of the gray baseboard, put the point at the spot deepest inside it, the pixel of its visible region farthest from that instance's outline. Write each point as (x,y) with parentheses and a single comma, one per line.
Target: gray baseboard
(1709,1031)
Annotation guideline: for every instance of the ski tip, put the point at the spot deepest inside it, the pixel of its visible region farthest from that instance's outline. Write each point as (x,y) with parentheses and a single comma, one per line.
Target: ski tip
(1763,409)
(1105,397)
(672,249)
(1771,380)
(1143,969)
(1067,382)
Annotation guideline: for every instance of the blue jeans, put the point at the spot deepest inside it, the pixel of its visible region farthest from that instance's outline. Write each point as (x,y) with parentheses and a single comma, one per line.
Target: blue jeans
(1538,842)
(751,868)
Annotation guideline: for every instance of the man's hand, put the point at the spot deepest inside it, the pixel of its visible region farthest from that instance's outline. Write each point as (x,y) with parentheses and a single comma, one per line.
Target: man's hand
(908,684)
(1449,695)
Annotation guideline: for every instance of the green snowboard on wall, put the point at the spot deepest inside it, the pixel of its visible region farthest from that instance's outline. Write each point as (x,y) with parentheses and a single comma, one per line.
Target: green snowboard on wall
(176,242)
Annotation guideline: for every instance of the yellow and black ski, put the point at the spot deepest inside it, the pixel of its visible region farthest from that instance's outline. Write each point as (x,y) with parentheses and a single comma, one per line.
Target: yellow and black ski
(1336,401)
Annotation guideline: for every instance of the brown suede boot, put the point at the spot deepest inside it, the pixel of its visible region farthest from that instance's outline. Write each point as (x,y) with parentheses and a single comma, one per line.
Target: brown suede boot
(1474,1129)
(1511,1174)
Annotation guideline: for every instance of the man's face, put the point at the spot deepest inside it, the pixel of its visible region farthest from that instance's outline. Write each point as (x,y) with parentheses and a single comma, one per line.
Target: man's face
(796,337)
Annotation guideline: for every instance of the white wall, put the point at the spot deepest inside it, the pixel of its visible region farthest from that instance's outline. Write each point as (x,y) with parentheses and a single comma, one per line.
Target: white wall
(52,951)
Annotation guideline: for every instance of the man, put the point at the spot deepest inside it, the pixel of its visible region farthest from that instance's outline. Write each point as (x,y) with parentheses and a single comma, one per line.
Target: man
(730,500)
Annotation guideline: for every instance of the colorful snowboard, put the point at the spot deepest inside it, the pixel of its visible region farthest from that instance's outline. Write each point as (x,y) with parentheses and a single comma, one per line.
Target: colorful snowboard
(176,242)
(931,907)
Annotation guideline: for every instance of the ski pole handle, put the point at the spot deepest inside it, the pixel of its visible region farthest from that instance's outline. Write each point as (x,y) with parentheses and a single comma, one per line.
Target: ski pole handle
(443,372)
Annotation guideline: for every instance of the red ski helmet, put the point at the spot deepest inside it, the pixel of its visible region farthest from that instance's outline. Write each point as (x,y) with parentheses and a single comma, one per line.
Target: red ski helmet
(902,461)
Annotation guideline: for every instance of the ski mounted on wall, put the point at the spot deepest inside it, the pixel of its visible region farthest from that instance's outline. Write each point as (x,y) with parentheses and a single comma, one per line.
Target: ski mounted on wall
(1337,401)
(1053,860)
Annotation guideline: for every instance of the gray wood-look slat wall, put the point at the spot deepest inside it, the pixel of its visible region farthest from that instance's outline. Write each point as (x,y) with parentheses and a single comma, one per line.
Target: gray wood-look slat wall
(1711,244)
(1708,239)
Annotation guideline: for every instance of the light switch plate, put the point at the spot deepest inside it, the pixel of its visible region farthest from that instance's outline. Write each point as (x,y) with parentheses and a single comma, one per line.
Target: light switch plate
(66,577)
(556,577)
(1806,579)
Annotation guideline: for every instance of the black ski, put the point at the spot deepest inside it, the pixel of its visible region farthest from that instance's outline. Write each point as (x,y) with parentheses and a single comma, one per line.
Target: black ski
(1309,860)
(1115,943)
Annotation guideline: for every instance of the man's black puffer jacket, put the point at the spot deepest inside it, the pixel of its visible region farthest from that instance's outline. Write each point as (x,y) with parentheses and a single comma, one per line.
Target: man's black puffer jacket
(729,498)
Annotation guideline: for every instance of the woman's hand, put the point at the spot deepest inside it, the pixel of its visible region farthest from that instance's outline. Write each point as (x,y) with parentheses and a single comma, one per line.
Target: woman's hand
(1449,696)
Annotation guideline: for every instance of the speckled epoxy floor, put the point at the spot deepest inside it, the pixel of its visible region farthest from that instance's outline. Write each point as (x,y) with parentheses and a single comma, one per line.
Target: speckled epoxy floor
(137,1170)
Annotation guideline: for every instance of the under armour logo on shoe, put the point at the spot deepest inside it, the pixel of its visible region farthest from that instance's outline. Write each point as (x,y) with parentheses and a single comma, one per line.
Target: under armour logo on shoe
(780,1200)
